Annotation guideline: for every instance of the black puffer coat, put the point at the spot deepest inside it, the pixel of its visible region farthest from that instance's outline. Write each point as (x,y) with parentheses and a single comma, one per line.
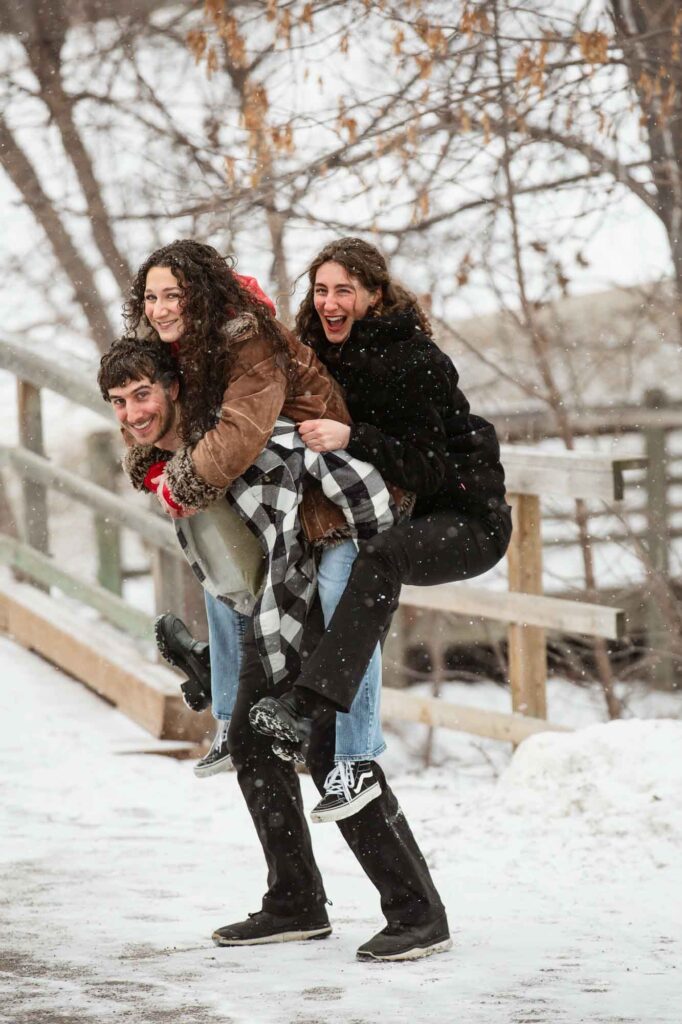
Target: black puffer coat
(410,418)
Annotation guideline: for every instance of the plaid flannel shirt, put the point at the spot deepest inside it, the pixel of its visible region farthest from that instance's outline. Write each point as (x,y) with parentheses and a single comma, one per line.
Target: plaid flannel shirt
(267,498)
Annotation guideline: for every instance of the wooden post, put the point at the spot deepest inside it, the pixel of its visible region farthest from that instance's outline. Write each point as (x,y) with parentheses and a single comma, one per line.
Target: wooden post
(658,545)
(193,606)
(103,468)
(177,590)
(437,677)
(35,530)
(8,522)
(167,582)
(527,647)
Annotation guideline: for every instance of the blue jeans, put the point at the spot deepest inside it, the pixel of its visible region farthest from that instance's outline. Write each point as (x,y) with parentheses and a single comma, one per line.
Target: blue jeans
(226,629)
(358,733)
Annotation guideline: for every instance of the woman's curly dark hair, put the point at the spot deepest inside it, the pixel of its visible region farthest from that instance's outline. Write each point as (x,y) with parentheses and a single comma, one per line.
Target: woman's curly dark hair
(365,263)
(216,309)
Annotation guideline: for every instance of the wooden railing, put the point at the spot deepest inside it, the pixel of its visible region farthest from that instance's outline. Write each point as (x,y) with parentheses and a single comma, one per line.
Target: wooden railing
(530,473)
(650,424)
(526,611)
(646,522)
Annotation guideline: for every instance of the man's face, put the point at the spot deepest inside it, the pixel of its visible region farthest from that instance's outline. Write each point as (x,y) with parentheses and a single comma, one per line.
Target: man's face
(146,410)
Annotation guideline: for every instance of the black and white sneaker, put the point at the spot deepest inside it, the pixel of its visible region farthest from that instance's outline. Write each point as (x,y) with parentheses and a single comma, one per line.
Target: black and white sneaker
(178,646)
(349,787)
(407,942)
(263,927)
(218,757)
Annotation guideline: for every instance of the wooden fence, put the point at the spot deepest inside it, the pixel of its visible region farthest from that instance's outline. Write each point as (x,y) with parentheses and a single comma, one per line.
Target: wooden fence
(531,475)
(650,426)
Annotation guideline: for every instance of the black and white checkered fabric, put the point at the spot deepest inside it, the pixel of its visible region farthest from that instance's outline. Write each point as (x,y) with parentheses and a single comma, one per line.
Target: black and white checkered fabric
(267,497)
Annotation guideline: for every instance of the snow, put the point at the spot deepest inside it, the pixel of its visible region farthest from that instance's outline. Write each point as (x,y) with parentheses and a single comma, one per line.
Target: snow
(561,879)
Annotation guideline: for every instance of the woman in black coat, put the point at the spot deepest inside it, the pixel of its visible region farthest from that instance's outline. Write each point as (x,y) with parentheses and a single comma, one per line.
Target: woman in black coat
(412,421)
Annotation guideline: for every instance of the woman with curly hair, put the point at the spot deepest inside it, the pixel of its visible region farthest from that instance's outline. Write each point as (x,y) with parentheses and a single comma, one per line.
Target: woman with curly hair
(413,423)
(240,369)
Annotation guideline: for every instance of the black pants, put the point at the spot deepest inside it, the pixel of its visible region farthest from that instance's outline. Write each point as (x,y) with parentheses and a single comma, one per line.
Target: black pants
(378,835)
(438,548)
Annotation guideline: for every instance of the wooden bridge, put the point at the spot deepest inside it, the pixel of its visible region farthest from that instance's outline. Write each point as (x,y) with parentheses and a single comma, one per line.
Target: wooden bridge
(106,654)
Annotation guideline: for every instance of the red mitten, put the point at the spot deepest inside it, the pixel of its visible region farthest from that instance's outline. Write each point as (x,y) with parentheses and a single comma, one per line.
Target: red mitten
(170,500)
(154,470)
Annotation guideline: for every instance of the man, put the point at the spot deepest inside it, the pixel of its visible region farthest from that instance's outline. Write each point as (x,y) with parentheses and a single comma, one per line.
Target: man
(139,379)
(145,403)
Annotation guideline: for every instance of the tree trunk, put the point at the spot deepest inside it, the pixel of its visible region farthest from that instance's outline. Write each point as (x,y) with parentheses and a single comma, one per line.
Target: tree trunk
(22,174)
(649,31)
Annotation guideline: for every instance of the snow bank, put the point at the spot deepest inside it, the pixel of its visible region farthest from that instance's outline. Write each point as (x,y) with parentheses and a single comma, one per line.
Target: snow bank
(619,778)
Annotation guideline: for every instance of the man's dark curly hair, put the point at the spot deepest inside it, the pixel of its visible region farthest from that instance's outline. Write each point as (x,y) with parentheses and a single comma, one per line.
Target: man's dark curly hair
(131,359)
(365,263)
(212,297)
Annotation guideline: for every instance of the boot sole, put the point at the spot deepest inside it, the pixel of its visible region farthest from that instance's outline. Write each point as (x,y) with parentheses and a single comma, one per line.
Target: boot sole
(267,717)
(295,936)
(288,758)
(162,645)
(416,953)
(348,809)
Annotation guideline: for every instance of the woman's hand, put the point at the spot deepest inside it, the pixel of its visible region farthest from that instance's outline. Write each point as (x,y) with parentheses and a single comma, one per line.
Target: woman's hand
(324,435)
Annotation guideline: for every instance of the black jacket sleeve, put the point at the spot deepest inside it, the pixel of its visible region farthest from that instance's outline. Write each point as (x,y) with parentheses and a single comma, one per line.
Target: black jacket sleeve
(413,454)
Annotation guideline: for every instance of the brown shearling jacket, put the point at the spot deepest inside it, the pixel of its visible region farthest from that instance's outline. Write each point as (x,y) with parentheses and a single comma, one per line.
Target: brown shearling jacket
(257,392)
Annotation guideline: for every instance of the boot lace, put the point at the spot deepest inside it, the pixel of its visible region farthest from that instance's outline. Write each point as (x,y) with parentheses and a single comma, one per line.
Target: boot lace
(339,780)
(220,737)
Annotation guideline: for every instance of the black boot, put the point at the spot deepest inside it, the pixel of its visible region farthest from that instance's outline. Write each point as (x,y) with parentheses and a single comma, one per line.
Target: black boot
(289,717)
(263,927)
(293,752)
(178,646)
(407,942)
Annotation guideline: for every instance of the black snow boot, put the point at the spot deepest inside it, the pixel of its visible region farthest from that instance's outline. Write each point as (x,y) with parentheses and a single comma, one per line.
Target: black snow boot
(289,717)
(292,752)
(178,646)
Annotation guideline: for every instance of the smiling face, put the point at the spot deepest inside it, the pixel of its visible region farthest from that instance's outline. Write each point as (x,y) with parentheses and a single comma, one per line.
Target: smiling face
(340,299)
(163,299)
(147,411)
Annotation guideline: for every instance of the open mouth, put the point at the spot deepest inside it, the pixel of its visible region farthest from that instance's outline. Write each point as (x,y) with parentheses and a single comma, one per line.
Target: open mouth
(335,324)
(165,326)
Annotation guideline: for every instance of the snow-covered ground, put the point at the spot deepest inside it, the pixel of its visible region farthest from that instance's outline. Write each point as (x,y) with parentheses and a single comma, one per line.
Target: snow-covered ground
(561,878)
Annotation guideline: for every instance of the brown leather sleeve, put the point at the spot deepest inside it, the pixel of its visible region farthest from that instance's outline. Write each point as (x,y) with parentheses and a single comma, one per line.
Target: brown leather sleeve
(257,392)
(251,404)
(317,395)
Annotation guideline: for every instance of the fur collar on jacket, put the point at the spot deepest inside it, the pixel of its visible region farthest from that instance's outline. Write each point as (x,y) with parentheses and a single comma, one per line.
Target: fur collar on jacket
(240,327)
(138,460)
